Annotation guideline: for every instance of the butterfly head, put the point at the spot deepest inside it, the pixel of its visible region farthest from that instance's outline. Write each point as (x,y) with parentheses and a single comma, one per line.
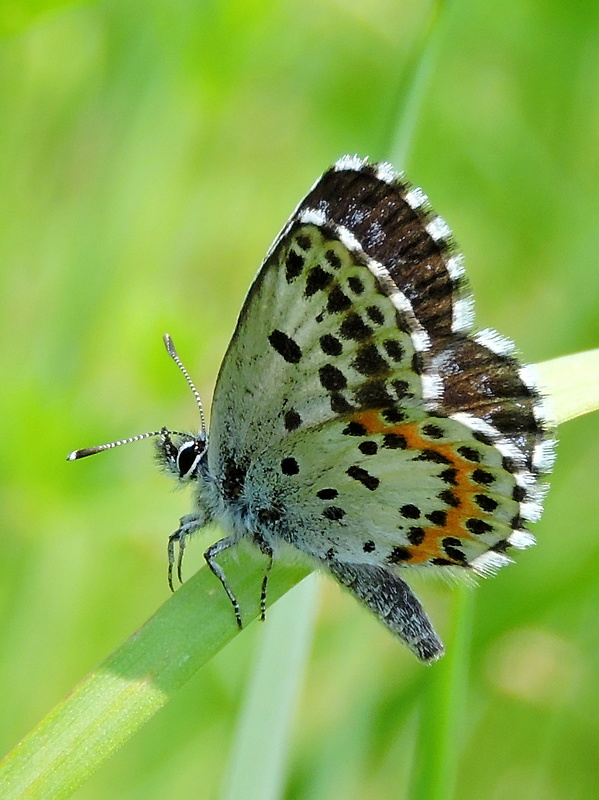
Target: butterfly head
(181,453)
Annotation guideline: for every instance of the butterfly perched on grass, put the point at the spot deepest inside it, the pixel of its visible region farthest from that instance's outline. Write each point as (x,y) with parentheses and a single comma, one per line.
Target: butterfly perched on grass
(357,416)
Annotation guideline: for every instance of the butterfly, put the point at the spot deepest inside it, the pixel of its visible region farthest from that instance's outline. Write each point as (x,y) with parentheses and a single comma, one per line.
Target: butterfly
(358,417)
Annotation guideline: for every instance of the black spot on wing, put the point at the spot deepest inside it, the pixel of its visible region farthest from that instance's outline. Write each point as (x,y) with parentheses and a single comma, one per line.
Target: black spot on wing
(478,526)
(483,477)
(410,511)
(285,346)
(337,301)
(363,477)
(369,362)
(369,448)
(327,494)
(393,415)
(394,441)
(339,405)
(485,502)
(333,513)
(318,279)
(294,265)
(373,394)
(416,535)
(401,388)
(433,456)
(451,546)
(450,498)
(354,327)
(355,284)
(399,554)
(355,429)
(449,476)
(433,431)
(289,466)
(303,241)
(292,420)
(375,315)
(438,517)
(469,453)
(331,378)
(394,350)
(333,259)
(330,345)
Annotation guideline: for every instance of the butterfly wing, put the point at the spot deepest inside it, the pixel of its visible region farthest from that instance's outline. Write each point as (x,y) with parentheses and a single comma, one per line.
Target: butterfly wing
(356,418)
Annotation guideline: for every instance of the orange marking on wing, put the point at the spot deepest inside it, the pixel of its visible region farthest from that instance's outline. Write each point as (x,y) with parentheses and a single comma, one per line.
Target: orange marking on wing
(464,488)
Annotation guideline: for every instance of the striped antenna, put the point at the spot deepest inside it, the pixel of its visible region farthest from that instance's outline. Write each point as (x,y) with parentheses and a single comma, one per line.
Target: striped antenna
(164,432)
(90,451)
(170,347)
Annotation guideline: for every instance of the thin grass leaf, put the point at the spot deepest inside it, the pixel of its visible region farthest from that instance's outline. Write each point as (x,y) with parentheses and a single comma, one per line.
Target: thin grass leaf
(127,689)
(412,98)
(257,765)
(572,384)
(439,739)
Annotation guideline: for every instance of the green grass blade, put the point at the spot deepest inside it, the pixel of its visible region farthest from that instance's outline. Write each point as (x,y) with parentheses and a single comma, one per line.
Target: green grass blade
(572,383)
(127,689)
(256,769)
(439,740)
(412,96)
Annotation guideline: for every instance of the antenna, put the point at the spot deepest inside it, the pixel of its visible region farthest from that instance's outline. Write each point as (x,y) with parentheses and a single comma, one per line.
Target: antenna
(170,347)
(164,432)
(91,451)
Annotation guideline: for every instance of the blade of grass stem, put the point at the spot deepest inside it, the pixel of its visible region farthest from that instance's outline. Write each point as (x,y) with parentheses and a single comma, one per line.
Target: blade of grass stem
(439,739)
(259,756)
(572,384)
(127,689)
(413,92)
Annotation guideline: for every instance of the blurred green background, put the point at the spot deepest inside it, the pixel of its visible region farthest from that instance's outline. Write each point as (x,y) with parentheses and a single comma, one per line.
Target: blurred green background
(149,153)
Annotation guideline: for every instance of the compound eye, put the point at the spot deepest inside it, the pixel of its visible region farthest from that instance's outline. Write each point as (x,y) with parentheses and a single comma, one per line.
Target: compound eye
(187,459)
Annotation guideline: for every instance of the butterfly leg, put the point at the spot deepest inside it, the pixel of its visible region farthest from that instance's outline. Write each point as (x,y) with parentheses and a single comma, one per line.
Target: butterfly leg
(268,551)
(393,602)
(210,556)
(187,525)
(172,540)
